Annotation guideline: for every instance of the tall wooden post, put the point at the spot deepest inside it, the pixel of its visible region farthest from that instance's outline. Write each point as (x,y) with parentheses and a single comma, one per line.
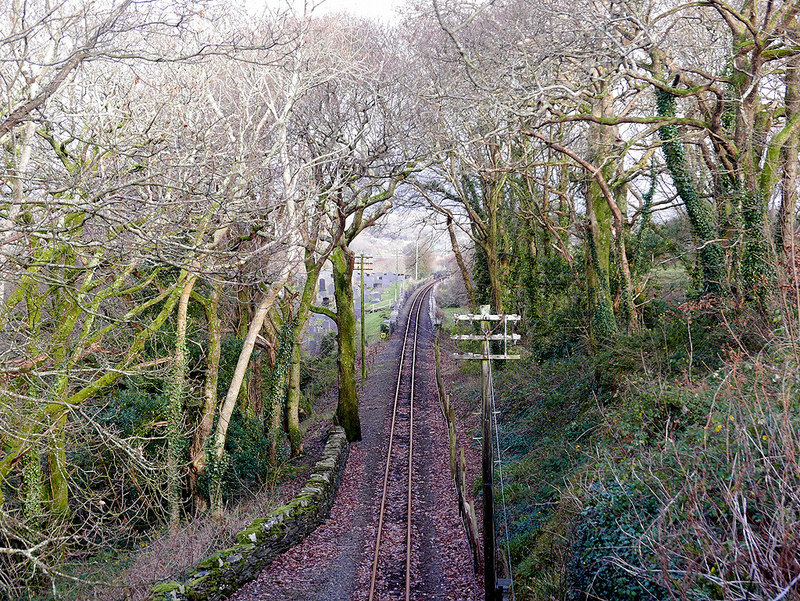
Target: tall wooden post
(416,260)
(493,593)
(363,267)
(396,275)
(487,467)
(363,327)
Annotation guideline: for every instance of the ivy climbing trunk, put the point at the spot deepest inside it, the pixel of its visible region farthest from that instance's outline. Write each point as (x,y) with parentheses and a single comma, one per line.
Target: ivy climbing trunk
(293,403)
(197,451)
(601,140)
(712,257)
(494,238)
(175,404)
(303,313)
(343,261)
(277,386)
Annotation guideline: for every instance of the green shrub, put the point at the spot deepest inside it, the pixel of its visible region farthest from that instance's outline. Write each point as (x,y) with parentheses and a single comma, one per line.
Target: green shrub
(134,410)
(607,537)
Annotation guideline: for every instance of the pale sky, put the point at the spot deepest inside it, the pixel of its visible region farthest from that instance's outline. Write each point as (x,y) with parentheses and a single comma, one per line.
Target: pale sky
(375,9)
(382,10)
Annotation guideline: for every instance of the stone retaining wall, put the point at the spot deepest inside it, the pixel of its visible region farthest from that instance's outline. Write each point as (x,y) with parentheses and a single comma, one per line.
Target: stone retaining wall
(221,574)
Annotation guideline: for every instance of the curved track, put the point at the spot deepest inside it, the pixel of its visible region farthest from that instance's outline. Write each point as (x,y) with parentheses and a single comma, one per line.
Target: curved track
(396,511)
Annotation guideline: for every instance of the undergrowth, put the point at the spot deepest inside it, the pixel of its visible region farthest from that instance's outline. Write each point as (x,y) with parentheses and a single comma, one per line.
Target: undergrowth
(115,571)
(664,466)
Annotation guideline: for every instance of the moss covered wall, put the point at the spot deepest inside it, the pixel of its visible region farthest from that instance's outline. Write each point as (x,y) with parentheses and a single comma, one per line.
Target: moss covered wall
(219,575)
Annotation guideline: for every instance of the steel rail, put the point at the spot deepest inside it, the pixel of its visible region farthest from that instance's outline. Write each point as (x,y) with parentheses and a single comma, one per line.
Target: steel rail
(416,304)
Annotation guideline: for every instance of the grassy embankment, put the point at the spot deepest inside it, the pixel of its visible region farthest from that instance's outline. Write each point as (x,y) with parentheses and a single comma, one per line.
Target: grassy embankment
(666,465)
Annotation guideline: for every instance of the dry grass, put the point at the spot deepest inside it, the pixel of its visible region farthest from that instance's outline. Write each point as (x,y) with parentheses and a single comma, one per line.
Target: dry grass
(170,555)
(729,525)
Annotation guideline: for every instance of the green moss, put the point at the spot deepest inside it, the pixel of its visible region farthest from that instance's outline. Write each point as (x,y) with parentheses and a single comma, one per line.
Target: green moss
(214,561)
(168,587)
(167,591)
(253,534)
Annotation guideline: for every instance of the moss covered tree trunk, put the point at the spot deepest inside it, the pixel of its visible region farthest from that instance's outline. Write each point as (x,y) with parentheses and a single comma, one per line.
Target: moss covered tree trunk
(58,484)
(602,323)
(303,314)
(65,350)
(293,403)
(494,242)
(494,267)
(343,261)
(32,487)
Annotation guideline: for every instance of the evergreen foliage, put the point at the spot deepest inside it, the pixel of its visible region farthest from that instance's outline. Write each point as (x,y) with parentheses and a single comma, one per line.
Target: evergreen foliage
(712,257)
(607,547)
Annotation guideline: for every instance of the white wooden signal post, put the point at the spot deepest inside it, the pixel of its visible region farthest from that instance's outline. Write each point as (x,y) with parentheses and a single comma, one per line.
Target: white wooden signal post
(489,325)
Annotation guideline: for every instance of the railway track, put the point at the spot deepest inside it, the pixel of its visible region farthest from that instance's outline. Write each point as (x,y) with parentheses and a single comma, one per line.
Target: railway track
(392,564)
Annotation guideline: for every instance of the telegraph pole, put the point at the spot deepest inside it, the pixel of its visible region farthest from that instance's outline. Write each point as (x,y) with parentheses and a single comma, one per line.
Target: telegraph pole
(364,265)
(487,335)
(416,260)
(396,275)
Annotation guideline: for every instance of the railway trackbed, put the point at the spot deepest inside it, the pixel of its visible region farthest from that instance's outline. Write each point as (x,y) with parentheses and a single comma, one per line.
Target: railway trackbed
(424,558)
(400,563)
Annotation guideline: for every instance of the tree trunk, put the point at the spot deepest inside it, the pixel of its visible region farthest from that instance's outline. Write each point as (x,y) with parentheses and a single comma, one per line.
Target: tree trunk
(303,312)
(58,486)
(243,321)
(347,409)
(786,242)
(602,322)
(275,421)
(175,404)
(712,257)
(494,239)
(233,390)
(32,487)
(277,390)
(493,265)
(293,403)
(197,450)
(462,266)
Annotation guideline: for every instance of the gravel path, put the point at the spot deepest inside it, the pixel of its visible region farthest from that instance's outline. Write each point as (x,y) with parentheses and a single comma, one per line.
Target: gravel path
(334,562)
